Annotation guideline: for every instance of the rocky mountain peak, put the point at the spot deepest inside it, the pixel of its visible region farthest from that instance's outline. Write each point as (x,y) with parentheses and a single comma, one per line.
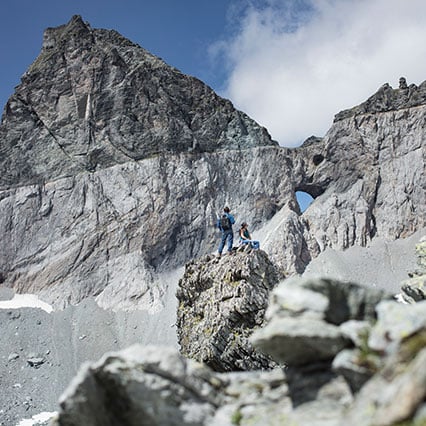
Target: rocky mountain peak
(72,33)
(93,99)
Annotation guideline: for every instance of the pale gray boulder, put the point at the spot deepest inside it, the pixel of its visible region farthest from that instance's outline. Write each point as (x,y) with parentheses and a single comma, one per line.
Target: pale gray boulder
(396,322)
(299,341)
(140,386)
(324,298)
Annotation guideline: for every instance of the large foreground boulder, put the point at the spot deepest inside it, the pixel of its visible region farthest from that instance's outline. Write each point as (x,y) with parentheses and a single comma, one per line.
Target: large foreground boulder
(151,386)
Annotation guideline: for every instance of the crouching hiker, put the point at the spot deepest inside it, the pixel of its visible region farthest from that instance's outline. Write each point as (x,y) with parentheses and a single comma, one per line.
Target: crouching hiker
(245,237)
(224,223)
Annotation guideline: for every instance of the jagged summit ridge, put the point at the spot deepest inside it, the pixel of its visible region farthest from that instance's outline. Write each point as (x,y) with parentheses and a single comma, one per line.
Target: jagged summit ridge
(93,99)
(389,99)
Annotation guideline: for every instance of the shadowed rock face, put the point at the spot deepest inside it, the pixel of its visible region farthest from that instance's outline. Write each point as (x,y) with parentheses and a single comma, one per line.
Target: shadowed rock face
(115,166)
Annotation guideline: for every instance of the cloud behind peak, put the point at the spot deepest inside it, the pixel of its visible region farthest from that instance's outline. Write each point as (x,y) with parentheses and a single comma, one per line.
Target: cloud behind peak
(294,64)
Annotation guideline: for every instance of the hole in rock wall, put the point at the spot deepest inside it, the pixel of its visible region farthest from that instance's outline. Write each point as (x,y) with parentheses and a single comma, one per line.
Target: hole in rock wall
(317,159)
(304,200)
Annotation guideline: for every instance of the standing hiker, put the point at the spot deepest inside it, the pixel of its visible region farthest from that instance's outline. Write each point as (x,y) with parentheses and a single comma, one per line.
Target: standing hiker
(224,223)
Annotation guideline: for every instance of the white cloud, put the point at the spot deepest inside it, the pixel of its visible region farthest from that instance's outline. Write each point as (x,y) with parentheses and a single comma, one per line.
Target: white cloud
(292,67)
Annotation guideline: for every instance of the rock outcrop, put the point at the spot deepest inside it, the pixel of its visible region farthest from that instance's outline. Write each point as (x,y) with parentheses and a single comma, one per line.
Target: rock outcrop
(221,302)
(388,99)
(380,189)
(164,388)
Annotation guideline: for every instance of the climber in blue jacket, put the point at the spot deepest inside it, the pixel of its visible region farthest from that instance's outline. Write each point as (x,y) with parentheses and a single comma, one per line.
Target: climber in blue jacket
(224,223)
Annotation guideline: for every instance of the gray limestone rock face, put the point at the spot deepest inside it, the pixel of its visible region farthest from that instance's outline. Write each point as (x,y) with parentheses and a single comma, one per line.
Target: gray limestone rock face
(380,159)
(110,234)
(221,302)
(122,141)
(116,165)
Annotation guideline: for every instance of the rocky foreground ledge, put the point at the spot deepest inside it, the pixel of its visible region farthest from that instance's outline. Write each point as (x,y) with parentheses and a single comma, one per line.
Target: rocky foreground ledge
(343,356)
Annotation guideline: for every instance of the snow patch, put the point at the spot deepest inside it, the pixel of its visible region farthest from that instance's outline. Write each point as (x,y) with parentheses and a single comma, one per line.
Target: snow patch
(37,419)
(25,301)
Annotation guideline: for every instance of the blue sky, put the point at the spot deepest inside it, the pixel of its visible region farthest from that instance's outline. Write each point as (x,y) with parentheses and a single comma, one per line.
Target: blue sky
(289,64)
(180,32)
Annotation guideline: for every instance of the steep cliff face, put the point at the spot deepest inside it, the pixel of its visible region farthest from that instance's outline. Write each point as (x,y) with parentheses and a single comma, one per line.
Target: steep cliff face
(115,166)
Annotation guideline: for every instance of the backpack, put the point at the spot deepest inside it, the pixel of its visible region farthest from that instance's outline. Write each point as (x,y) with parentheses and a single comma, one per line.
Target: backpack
(225,223)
